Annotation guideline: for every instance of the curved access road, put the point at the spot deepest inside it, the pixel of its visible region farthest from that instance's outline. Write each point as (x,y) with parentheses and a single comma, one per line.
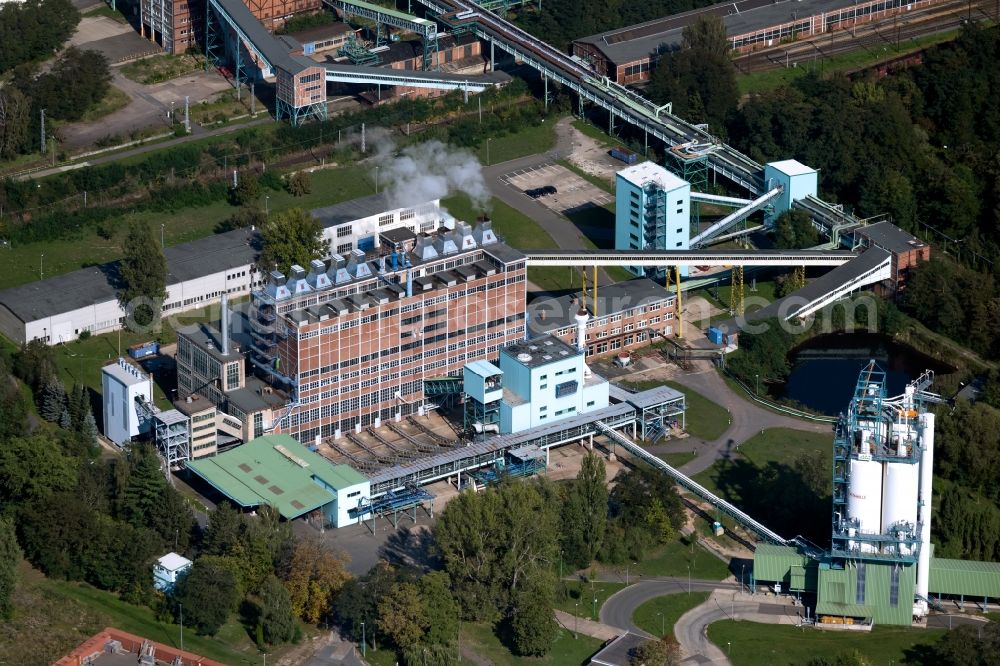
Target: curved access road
(617,611)
(746,420)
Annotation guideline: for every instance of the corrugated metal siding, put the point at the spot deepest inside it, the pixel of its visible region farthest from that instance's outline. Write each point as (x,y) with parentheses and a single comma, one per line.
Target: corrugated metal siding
(838,593)
(960,577)
(774,563)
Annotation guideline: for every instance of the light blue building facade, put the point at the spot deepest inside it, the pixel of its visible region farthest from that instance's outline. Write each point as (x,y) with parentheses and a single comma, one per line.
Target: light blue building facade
(798,180)
(652,211)
(544,380)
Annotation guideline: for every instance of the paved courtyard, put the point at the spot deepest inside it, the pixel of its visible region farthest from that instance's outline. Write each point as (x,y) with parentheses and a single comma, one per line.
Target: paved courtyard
(573,192)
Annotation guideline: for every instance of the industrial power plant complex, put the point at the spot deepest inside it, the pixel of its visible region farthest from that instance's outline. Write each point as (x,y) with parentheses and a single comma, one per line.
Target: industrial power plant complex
(414,350)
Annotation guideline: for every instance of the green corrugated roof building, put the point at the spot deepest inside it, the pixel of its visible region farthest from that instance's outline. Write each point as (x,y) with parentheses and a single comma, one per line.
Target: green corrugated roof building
(277,470)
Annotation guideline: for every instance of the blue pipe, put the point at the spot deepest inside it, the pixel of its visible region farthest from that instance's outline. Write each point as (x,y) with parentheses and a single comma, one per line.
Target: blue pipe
(394,261)
(409,283)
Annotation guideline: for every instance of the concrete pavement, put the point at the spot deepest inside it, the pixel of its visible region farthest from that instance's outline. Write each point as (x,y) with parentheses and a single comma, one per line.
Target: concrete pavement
(598,630)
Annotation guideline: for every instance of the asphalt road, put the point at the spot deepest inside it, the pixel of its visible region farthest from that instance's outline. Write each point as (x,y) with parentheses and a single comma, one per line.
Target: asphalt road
(746,420)
(617,611)
(565,234)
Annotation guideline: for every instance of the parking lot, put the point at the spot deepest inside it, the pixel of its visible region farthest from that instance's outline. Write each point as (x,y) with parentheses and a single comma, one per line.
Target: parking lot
(572,191)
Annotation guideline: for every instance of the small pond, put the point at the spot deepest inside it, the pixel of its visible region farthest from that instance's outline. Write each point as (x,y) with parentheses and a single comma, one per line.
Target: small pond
(825,369)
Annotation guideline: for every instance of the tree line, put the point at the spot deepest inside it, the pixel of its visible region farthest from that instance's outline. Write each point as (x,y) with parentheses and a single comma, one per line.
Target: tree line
(500,551)
(76,82)
(196,175)
(34,29)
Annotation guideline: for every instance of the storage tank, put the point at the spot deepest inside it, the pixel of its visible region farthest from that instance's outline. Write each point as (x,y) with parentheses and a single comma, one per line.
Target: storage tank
(864,497)
(900,498)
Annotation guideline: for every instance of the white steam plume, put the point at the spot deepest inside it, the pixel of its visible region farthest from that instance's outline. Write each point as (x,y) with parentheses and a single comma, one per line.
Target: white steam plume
(431,170)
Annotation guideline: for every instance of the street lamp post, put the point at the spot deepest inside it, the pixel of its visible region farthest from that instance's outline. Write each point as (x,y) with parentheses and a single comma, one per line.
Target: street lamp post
(595,605)
(743,569)
(576,619)
(729,648)
(364,641)
(757,385)
(376,180)
(41,266)
(560,565)
(161,235)
(182,625)
(267,199)
(488,139)
(662,628)
(689,578)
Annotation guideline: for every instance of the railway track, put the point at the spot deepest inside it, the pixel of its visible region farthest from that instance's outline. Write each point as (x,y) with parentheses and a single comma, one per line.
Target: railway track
(890,33)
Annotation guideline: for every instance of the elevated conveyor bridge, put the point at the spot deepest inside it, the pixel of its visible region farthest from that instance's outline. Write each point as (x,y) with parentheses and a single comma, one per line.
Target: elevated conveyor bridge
(655,258)
(619,101)
(232,32)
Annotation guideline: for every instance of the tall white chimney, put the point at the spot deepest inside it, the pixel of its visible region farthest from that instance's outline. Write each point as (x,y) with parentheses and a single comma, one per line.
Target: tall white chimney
(224,324)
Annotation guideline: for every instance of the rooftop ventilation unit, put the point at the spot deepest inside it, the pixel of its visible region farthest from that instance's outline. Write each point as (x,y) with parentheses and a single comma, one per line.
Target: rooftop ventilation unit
(338,268)
(277,287)
(317,278)
(445,244)
(483,233)
(424,249)
(297,282)
(361,269)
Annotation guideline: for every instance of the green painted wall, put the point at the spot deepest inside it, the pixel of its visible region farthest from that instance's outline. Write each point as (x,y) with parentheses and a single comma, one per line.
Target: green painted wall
(837,593)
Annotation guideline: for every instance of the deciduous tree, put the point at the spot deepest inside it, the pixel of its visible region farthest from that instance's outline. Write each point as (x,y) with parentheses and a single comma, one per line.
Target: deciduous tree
(660,652)
(10,558)
(291,237)
(315,575)
(402,616)
(15,122)
(143,271)
(208,593)
(276,612)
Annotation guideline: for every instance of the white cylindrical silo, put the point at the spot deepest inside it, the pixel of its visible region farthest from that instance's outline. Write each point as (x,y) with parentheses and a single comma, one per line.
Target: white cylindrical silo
(864,497)
(900,497)
(926,488)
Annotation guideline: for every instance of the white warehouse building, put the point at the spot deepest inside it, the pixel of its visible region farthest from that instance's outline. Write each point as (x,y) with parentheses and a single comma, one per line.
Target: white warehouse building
(60,308)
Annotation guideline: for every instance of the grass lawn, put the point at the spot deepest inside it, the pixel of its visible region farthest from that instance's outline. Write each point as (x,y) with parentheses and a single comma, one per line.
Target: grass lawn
(71,612)
(677,459)
(521,232)
(673,559)
(584,593)
(329,186)
(566,650)
(659,615)
(753,644)
(80,361)
(530,140)
(114,100)
(704,418)
(106,11)
(594,133)
(780,445)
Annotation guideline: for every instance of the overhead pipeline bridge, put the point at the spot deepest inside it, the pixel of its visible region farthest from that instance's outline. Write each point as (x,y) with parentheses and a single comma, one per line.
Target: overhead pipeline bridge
(687,482)
(736,216)
(231,28)
(655,258)
(618,100)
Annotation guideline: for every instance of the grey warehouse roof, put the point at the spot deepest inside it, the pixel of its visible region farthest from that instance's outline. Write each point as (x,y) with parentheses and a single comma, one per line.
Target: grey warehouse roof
(638,41)
(550,314)
(540,351)
(888,236)
(90,286)
(349,211)
(824,284)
